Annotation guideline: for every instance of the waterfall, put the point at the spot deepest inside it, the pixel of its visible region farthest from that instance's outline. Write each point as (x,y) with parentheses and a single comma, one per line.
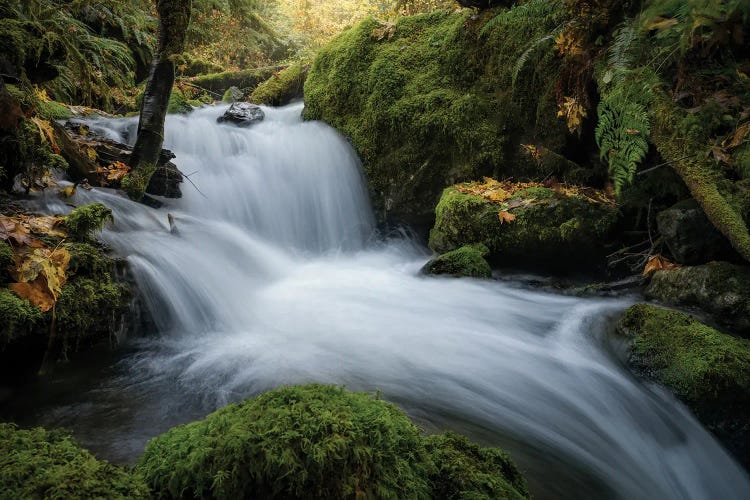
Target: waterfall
(274,276)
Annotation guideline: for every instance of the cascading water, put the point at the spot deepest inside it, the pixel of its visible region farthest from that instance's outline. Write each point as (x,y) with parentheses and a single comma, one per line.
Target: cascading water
(273,277)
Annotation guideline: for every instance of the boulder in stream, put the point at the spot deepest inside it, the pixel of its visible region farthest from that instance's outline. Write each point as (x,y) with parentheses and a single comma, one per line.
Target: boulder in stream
(242,114)
(467,261)
(707,369)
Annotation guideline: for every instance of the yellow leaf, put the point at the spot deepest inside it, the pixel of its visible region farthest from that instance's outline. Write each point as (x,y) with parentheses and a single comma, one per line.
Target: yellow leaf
(659,23)
(656,263)
(41,94)
(67,191)
(46,133)
(573,113)
(91,153)
(505,216)
(739,136)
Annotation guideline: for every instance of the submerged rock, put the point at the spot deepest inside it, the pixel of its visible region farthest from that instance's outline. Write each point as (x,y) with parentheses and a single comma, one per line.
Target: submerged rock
(719,288)
(242,114)
(548,230)
(467,261)
(319,441)
(690,236)
(708,370)
(37,463)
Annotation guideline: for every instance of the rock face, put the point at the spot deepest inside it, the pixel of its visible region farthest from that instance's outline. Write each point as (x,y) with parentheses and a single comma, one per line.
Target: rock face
(242,114)
(467,261)
(719,288)
(689,235)
(708,370)
(553,231)
(436,99)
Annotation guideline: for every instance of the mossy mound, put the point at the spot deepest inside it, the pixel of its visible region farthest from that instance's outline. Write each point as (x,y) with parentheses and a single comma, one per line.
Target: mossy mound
(548,230)
(719,288)
(86,219)
(707,369)
(463,470)
(49,464)
(17,317)
(310,441)
(443,97)
(467,261)
(283,87)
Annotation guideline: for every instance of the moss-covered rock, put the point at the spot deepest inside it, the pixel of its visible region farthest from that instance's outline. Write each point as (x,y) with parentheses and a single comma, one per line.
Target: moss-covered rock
(84,220)
(719,288)
(51,110)
(316,441)
(17,317)
(443,97)
(463,470)
(283,87)
(550,230)
(707,369)
(49,464)
(467,261)
(233,94)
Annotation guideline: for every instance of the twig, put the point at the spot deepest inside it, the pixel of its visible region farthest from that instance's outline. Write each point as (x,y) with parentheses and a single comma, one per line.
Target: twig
(665,164)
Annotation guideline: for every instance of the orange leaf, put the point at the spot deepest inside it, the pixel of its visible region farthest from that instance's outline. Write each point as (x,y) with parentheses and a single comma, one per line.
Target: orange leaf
(35,292)
(657,263)
(505,216)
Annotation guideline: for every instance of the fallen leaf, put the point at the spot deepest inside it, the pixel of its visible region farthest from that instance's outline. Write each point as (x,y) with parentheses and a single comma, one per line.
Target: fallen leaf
(35,292)
(505,216)
(739,136)
(46,133)
(656,263)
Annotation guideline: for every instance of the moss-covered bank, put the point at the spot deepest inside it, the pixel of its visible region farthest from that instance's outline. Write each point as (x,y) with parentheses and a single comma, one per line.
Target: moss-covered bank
(321,442)
(707,369)
(549,230)
(37,463)
(444,97)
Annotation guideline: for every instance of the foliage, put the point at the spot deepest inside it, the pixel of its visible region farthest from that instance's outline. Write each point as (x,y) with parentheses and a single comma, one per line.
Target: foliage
(305,442)
(37,463)
(84,220)
(467,261)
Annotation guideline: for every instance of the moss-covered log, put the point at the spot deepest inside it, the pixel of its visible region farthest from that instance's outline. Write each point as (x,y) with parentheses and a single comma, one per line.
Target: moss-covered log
(691,161)
(283,87)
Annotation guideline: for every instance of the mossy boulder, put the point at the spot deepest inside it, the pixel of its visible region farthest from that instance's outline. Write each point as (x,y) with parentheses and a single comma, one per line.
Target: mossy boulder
(283,87)
(314,441)
(467,261)
(708,370)
(233,94)
(439,98)
(549,230)
(37,463)
(719,288)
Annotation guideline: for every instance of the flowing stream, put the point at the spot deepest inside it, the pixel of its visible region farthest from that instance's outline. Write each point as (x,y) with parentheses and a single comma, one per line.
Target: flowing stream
(274,275)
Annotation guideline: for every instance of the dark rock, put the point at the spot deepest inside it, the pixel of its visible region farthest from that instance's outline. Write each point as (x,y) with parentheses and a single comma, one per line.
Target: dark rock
(242,114)
(76,138)
(708,370)
(467,261)
(719,288)
(689,235)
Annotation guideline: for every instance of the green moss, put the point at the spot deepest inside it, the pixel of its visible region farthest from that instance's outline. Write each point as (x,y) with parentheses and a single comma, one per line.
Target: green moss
(88,309)
(17,317)
(467,261)
(6,258)
(136,182)
(304,442)
(49,464)
(463,470)
(282,87)
(220,82)
(430,100)
(178,102)
(707,369)
(190,65)
(83,221)
(537,193)
(52,110)
(554,231)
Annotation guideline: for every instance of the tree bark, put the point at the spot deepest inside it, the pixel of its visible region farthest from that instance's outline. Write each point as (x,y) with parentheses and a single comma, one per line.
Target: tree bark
(174,18)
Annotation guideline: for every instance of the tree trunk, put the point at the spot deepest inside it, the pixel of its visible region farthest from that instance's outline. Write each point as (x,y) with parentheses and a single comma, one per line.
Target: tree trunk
(174,18)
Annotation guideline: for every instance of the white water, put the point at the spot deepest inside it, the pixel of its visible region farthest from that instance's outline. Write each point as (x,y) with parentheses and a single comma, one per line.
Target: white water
(274,277)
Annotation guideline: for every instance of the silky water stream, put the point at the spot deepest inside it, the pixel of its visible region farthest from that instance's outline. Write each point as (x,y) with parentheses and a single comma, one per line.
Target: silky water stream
(274,276)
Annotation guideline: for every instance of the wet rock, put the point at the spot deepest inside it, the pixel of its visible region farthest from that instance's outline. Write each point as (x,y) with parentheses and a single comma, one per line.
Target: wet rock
(242,114)
(708,370)
(467,261)
(689,235)
(719,288)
